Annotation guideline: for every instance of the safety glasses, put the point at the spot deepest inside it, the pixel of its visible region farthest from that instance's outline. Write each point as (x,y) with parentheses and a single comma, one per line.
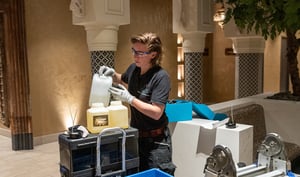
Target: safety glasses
(139,53)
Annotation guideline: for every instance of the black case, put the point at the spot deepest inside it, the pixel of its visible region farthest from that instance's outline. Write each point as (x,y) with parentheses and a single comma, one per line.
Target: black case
(78,156)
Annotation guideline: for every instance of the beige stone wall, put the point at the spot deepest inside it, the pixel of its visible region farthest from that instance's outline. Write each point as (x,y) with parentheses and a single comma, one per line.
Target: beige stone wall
(222,69)
(272,65)
(59,65)
(272,62)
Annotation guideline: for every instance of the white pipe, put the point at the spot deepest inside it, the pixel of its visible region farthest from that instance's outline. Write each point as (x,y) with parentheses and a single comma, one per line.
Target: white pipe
(239,170)
(272,173)
(259,168)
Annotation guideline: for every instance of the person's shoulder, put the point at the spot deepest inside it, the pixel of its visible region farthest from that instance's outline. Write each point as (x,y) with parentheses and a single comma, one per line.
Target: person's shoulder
(131,67)
(162,71)
(162,74)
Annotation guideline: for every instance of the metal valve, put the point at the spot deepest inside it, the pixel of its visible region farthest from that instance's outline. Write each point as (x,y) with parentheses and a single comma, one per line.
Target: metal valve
(272,161)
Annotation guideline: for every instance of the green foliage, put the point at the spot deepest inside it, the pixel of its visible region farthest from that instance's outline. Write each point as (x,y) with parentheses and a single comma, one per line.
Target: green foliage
(265,17)
(292,16)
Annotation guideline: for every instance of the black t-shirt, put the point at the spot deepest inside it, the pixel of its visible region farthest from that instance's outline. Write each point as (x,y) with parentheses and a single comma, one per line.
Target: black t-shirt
(151,87)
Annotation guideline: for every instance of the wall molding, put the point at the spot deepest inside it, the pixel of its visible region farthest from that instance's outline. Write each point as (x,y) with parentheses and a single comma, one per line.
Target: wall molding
(39,140)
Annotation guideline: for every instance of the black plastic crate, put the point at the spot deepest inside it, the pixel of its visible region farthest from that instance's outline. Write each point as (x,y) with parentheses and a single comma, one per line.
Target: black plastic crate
(78,156)
(132,167)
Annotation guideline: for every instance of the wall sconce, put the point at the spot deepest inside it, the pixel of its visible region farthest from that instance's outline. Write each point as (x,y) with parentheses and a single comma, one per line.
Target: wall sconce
(180,66)
(180,72)
(179,54)
(219,16)
(179,39)
(180,92)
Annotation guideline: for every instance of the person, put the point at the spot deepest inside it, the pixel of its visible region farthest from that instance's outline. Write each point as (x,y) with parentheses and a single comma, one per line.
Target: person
(145,86)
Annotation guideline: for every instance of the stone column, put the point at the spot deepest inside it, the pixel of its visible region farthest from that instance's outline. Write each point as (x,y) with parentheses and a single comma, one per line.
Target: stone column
(193,20)
(101,19)
(249,66)
(249,49)
(193,48)
(102,44)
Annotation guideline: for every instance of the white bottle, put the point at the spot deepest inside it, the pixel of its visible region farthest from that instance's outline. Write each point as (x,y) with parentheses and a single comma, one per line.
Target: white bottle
(99,89)
(97,118)
(118,114)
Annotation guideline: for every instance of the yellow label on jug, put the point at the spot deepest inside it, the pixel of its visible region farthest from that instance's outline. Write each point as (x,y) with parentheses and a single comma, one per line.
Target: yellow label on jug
(97,118)
(100,120)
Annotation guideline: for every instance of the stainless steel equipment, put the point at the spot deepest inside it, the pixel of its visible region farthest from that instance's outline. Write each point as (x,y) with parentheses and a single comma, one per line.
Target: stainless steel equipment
(272,161)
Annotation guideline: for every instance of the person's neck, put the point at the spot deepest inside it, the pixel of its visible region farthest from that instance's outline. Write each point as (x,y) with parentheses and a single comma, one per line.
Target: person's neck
(145,69)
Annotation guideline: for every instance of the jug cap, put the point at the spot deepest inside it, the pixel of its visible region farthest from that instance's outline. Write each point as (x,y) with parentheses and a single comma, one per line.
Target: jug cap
(97,105)
(115,103)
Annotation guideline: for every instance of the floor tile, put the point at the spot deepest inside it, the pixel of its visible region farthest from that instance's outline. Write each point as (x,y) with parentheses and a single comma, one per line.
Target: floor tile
(42,161)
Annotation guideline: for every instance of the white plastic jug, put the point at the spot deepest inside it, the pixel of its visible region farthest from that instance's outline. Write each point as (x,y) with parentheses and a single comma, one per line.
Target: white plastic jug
(99,90)
(97,118)
(118,114)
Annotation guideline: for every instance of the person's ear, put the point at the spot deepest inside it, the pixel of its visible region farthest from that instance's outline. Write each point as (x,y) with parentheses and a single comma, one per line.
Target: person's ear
(153,54)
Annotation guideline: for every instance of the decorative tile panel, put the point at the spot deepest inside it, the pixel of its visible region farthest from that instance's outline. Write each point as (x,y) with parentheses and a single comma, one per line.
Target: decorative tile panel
(99,58)
(250,74)
(193,76)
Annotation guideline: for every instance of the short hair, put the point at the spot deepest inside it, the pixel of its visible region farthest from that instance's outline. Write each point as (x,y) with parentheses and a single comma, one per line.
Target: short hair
(153,43)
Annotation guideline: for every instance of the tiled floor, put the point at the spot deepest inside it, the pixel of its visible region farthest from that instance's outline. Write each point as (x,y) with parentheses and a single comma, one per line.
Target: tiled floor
(42,161)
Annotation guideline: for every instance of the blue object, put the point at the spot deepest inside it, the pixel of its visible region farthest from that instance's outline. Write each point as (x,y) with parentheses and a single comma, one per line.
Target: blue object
(179,110)
(203,111)
(220,116)
(154,172)
(290,174)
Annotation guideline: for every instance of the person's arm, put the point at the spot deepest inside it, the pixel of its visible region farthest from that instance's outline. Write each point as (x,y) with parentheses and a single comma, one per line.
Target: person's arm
(153,110)
(159,95)
(117,79)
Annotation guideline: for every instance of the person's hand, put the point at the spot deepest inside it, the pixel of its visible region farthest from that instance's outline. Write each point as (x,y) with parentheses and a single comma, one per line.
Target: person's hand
(106,71)
(121,93)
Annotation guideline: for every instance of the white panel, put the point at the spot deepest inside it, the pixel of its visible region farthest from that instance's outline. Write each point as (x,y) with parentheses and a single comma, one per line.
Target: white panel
(249,44)
(231,31)
(193,42)
(78,8)
(192,16)
(101,19)
(114,7)
(103,13)
(239,140)
(192,144)
(205,13)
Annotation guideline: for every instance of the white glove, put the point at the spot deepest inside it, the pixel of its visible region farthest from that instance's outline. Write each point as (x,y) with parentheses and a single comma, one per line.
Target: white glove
(121,93)
(106,71)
